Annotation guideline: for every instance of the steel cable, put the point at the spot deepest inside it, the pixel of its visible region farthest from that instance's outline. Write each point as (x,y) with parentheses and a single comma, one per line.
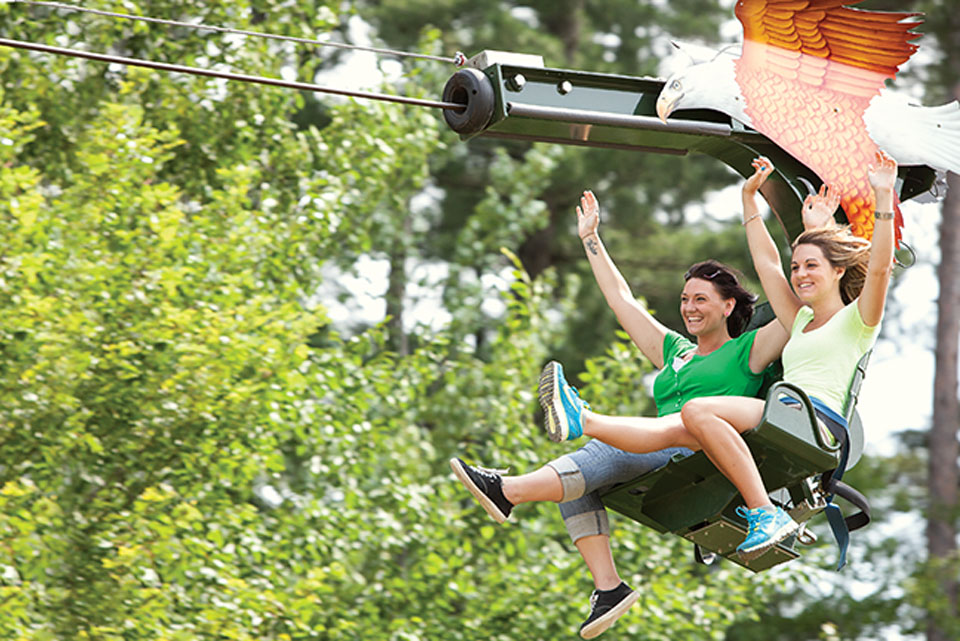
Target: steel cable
(458,60)
(163,66)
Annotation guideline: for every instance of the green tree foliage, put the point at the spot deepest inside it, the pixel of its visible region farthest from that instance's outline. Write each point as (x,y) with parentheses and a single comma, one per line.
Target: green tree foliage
(621,36)
(152,384)
(189,450)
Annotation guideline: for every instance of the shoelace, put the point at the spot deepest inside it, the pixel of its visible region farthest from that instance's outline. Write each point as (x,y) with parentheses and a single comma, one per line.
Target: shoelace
(491,472)
(576,394)
(593,600)
(754,519)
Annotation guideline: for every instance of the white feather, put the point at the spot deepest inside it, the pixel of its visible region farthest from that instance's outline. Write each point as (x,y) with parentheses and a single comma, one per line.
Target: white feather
(913,134)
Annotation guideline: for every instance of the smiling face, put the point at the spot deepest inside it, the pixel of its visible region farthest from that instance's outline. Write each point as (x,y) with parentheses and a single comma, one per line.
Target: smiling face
(702,308)
(812,275)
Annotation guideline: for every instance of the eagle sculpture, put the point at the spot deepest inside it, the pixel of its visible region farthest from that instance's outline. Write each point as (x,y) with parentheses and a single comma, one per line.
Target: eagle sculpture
(810,78)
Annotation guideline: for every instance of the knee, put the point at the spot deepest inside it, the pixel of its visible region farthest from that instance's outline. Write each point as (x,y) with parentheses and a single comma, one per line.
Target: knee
(572,484)
(694,414)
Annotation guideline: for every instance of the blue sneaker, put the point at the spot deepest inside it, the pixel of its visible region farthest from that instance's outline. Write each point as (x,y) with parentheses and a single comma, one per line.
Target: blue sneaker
(561,403)
(764,530)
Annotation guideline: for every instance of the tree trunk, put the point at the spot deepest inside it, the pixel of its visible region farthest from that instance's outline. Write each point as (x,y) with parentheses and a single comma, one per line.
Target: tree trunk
(944,475)
(565,20)
(396,291)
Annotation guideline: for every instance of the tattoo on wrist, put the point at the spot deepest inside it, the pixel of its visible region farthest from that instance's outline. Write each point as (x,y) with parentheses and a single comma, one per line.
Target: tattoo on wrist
(592,245)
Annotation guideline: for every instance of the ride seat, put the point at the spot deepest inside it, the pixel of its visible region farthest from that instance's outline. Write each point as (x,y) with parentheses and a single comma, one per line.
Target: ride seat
(689,497)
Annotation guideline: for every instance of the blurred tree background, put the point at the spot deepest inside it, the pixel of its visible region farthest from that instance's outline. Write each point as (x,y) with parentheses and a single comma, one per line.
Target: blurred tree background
(196,444)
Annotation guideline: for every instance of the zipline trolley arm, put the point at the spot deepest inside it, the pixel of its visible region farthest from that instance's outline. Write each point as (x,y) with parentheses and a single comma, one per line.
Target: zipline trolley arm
(513,96)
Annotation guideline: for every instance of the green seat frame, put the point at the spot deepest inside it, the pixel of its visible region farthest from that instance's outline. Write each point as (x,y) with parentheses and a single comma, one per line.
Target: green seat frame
(689,497)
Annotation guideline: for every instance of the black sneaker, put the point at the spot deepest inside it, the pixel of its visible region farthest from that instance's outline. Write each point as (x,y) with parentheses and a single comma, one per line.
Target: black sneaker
(486,486)
(606,606)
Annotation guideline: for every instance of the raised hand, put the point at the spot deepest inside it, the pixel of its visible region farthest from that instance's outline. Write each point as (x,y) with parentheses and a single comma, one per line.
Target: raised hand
(763,168)
(882,172)
(818,208)
(588,214)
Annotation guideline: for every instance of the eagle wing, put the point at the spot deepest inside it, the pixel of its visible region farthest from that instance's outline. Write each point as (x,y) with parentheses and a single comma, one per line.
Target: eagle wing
(807,74)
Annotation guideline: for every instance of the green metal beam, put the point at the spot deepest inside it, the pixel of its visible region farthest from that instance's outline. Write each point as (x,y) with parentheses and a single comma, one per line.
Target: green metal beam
(524,101)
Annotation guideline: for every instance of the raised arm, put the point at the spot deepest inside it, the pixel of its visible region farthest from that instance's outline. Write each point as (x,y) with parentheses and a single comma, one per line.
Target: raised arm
(645,331)
(883,176)
(766,258)
(767,346)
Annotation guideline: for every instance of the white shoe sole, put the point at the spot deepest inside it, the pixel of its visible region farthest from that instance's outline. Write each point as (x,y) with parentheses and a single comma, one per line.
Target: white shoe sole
(485,502)
(786,530)
(554,418)
(600,625)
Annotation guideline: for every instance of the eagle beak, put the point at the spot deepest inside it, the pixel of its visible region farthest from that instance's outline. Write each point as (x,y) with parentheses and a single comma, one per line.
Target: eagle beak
(665,107)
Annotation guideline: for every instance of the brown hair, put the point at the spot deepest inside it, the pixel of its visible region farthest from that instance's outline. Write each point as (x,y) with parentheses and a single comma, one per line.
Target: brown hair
(841,249)
(726,281)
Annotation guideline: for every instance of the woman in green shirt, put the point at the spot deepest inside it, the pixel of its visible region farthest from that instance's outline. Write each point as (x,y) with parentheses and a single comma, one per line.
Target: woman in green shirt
(722,359)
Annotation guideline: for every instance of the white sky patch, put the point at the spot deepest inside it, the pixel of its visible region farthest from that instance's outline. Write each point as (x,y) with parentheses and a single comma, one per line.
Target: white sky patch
(731,31)
(359,70)
(609,40)
(526,15)
(718,208)
(499,283)
(423,306)
(365,290)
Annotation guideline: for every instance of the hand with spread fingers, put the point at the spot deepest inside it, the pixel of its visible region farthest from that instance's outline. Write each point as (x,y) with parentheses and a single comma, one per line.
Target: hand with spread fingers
(763,168)
(588,215)
(818,208)
(882,172)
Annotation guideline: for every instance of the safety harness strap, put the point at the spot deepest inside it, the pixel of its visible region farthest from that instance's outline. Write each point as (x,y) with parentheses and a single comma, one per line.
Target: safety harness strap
(831,483)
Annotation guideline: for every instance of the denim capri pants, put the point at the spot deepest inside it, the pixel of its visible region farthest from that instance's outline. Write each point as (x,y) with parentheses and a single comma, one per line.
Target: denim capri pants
(593,468)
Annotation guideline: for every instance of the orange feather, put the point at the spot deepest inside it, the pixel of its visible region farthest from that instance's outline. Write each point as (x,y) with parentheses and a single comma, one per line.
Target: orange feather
(807,74)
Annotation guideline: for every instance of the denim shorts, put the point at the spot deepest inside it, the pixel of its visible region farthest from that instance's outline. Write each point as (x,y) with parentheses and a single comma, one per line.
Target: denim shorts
(596,466)
(828,421)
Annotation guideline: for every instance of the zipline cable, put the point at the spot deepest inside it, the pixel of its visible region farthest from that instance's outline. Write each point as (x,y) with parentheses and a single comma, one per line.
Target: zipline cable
(276,82)
(458,60)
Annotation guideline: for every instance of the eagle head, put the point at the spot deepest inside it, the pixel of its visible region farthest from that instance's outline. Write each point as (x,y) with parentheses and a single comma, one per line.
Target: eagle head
(708,85)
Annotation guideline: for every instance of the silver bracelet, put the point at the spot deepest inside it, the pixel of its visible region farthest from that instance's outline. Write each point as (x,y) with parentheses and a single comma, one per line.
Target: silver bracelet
(744,223)
(883,215)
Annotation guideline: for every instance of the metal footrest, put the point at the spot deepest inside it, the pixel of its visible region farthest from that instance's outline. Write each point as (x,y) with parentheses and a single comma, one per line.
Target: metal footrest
(723,537)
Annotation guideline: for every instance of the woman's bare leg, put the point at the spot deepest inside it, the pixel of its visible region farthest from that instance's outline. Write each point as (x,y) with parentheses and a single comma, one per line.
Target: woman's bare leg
(639,434)
(595,551)
(716,422)
(542,485)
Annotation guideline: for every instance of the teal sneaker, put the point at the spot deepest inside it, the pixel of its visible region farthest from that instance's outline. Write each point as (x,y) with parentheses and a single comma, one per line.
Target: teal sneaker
(561,403)
(764,530)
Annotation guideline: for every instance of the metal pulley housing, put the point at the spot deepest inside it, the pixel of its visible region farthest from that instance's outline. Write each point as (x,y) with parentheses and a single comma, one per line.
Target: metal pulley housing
(472,89)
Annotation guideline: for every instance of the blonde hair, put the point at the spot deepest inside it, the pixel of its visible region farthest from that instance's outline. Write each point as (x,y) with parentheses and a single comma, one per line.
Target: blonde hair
(841,249)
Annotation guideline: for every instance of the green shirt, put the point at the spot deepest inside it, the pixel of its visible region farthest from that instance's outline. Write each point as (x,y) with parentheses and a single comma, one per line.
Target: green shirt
(822,361)
(723,372)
